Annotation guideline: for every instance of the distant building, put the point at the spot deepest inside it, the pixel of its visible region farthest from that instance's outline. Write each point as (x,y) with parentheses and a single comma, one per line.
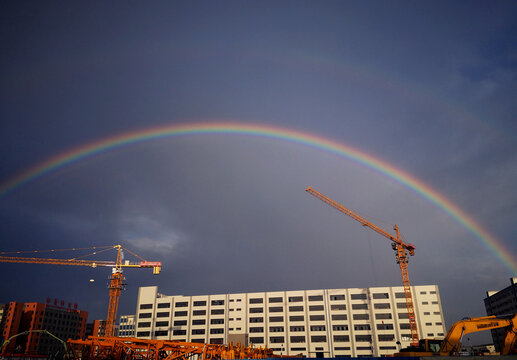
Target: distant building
(502,302)
(95,328)
(316,323)
(62,323)
(126,326)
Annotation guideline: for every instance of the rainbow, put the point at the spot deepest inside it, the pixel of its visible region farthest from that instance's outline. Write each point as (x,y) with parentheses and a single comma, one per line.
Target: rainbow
(294,136)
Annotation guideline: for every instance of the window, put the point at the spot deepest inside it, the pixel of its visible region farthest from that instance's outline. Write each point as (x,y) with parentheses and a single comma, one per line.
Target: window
(338,307)
(338,348)
(425,303)
(256,310)
(162,323)
(298,348)
(181,304)
(297,328)
(145,316)
(401,306)
(340,327)
(180,322)
(339,317)
(161,333)
(216,321)
(358,296)
(163,314)
(200,303)
(360,306)
(362,327)
(297,339)
(295,308)
(439,323)
(179,332)
(316,308)
(276,318)
(315,297)
(180,313)
(341,338)
(382,306)
(217,311)
(432,292)
(428,324)
(216,331)
(144,324)
(400,295)
(384,326)
(337,297)
(387,347)
(199,322)
(256,329)
(276,299)
(363,338)
(164,305)
(296,318)
(216,341)
(430,334)
(276,309)
(318,338)
(276,329)
(295,298)
(383,316)
(217,302)
(198,331)
(256,319)
(405,327)
(256,301)
(146,306)
(318,328)
(389,337)
(423,292)
(198,312)
(380,295)
(276,339)
(317,317)
(403,316)
(143,333)
(256,339)
(361,317)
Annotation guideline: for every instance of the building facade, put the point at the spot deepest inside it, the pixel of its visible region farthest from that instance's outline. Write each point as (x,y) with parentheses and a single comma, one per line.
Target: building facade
(501,302)
(325,323)
(126,326)
(62,323)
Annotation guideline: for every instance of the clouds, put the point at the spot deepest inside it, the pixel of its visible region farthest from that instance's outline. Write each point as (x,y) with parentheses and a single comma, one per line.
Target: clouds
(426,87)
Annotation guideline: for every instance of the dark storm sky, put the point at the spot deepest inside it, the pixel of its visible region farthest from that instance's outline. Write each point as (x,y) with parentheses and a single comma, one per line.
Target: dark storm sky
(429,87)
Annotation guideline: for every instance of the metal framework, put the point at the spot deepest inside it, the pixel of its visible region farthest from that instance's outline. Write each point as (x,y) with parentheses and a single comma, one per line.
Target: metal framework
(109,348)
(401,250)
(116,284)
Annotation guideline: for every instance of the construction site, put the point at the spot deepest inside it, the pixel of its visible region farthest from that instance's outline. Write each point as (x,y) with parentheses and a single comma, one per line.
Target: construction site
(327,323)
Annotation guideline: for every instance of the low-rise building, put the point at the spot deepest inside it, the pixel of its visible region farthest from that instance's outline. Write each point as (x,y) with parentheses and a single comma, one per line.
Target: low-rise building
(316,323)
(126,327)
(501,302)
(32,317)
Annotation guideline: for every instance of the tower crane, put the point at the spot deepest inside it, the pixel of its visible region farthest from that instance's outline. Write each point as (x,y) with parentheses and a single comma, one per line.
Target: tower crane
(116,284)
(401,251)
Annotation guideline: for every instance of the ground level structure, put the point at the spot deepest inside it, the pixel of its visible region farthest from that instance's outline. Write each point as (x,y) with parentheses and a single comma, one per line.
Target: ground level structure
(316,323)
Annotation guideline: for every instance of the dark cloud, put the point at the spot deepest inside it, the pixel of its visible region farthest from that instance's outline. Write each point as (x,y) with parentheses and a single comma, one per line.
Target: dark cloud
(429,88)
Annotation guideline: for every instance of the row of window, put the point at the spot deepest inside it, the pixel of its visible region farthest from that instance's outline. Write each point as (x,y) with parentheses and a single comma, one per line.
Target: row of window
(279,299)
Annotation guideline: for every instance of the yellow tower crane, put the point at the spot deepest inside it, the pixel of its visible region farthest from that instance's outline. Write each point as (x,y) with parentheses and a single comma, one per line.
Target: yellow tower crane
(401,249)
(116,284)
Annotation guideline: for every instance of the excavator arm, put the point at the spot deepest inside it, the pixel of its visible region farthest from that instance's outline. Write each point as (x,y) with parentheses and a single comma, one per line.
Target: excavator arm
(452,343)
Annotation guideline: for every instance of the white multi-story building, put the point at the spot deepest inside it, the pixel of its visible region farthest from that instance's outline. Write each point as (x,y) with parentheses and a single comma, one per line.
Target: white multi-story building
(327,323)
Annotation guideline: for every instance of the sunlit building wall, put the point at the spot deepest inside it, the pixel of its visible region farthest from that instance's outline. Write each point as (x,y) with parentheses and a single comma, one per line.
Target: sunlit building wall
(328,323)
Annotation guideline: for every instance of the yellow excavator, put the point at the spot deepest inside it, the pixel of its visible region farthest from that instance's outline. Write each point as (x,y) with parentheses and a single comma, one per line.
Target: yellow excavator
(451,344)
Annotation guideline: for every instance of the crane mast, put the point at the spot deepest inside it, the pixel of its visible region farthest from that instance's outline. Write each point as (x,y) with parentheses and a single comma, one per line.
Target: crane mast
(116,282)
(401,251)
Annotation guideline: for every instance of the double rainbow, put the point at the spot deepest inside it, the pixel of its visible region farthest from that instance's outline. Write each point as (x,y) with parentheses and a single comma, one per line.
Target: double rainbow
(294,136)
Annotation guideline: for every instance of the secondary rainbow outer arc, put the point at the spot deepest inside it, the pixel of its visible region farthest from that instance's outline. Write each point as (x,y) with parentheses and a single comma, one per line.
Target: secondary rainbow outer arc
(318,142)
